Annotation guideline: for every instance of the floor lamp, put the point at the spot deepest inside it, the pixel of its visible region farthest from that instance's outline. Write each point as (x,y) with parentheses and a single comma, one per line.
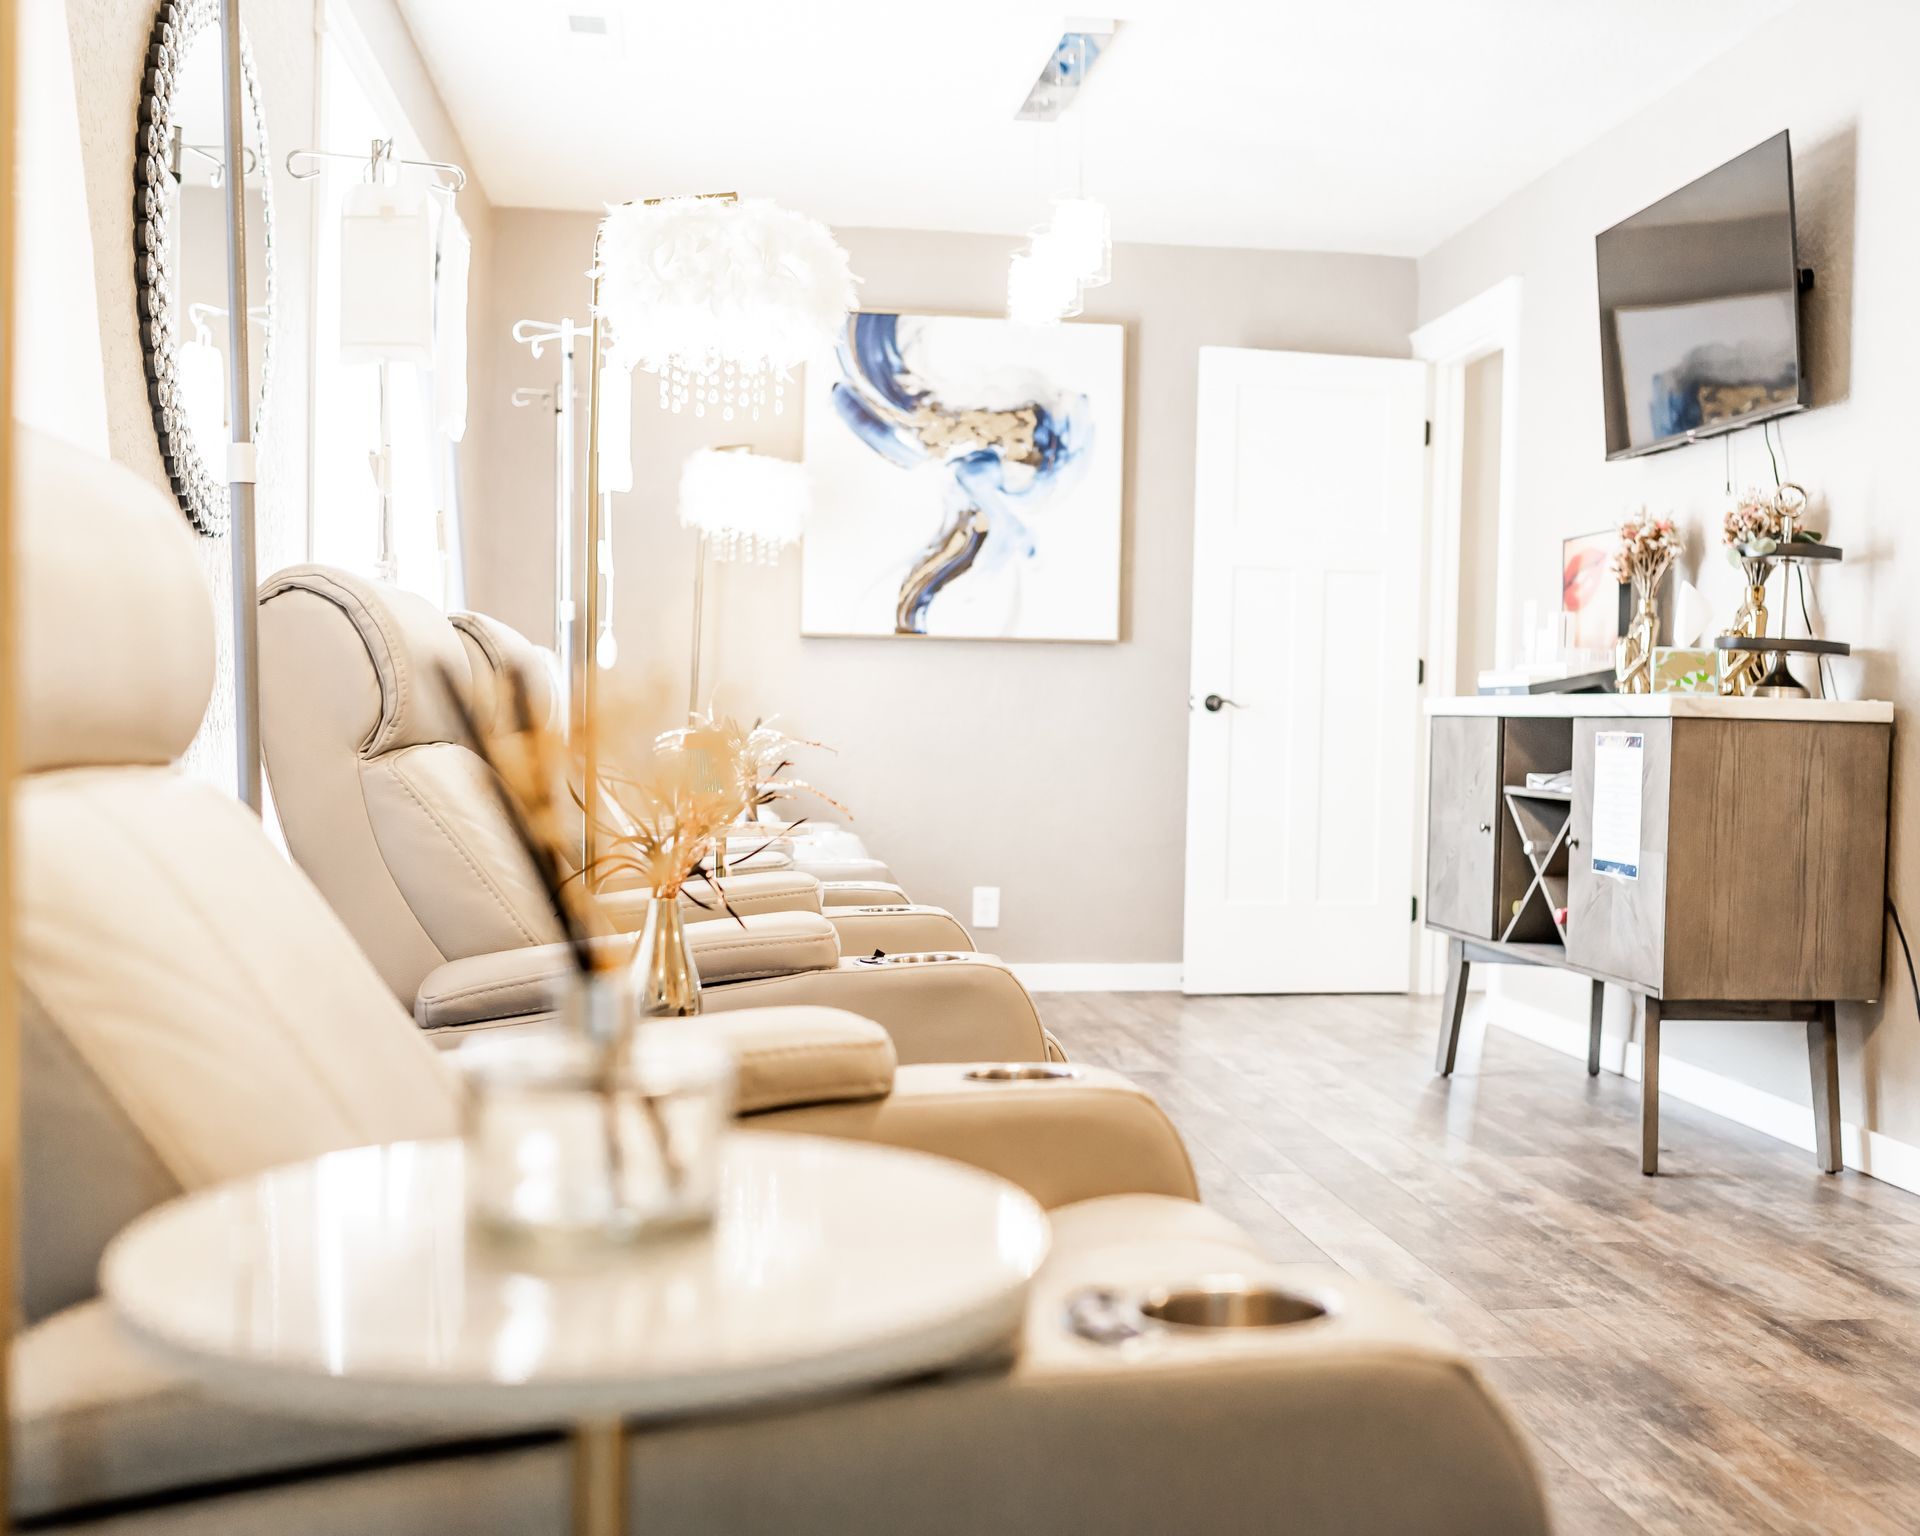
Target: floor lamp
(744,506)
(720,297)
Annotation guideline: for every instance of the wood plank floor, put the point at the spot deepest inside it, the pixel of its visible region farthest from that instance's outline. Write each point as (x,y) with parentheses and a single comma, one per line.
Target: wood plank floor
(1731,1347)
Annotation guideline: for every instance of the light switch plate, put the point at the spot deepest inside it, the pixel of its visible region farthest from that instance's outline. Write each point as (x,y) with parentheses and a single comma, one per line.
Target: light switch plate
(986,906)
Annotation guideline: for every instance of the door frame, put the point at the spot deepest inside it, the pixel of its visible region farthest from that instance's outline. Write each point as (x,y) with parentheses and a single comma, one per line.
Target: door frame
(1487,323)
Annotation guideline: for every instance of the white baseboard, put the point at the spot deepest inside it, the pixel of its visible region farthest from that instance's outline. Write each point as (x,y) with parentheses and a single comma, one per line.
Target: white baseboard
(1095,976)
(1870,1152)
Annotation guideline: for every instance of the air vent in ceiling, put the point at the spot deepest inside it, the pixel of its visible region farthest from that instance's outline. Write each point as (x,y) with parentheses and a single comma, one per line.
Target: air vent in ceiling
(586,25)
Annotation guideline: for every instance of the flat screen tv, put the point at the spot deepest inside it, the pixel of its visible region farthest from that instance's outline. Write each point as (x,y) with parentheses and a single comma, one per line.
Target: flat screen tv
(1699,308)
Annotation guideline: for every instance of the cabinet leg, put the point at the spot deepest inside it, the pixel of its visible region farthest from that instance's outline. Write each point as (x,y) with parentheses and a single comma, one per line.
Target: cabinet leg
(1649,1010)
(1596,1010)
(1823,1061)
(1453,1007)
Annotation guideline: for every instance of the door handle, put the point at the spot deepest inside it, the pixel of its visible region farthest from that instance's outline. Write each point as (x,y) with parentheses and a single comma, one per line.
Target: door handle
(1214,703)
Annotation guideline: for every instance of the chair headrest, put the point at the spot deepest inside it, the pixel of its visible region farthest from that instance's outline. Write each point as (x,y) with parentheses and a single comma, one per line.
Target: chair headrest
(116,621)
(495,649)
(409,642)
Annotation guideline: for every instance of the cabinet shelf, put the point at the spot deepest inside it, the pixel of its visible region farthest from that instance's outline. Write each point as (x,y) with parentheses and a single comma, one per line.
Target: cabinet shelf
(1565,795)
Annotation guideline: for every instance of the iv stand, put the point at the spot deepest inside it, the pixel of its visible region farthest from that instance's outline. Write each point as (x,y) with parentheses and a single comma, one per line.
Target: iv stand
(567,639)
(241,452)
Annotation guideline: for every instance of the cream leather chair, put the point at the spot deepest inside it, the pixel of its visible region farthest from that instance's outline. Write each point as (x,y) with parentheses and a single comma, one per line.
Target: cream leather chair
(193,1011)
(396,820)
(784,878)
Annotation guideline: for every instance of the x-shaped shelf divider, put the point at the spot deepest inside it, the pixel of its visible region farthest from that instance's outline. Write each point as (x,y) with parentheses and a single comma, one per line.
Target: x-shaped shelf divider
(1539,858)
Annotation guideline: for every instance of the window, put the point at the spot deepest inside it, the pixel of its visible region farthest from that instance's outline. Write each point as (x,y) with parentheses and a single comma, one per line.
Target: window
(357,106)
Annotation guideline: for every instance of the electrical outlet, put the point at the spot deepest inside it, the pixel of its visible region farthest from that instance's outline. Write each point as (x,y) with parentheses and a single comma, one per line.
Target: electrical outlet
(986,906)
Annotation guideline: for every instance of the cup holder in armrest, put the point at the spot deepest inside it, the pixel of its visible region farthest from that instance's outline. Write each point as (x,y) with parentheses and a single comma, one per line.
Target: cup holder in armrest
(1021,1072)
(1212,1304)
(929,957)
(1230,1303)
(867,911)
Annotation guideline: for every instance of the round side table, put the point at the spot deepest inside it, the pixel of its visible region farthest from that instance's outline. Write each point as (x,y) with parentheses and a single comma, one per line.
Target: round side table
(349,1286)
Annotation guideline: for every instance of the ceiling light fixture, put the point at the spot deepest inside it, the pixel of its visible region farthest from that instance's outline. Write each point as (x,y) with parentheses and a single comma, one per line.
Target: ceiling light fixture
(1047,282)
(720,297)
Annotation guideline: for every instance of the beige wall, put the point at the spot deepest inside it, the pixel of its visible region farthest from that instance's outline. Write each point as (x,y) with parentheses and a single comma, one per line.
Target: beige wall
(1849,100)
(1056,772)
(109,40)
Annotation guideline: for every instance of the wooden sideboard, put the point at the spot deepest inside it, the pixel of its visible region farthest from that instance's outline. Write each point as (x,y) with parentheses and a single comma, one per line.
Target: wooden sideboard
(1759,886)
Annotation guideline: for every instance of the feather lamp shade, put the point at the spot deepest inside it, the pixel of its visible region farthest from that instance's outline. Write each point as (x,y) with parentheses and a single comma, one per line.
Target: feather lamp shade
(748,506)
(720,297)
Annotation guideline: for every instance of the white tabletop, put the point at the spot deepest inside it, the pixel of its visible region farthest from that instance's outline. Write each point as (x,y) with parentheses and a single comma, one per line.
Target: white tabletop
(1708,706)
(348,1286)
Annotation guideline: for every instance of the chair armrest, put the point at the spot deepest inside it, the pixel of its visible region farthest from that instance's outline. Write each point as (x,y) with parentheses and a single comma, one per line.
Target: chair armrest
(896,928)
(859,893)
(786,1057)
(96,1421)
(834,869)
(520,983)
(1061,1140)
(773,890)
(967,1008)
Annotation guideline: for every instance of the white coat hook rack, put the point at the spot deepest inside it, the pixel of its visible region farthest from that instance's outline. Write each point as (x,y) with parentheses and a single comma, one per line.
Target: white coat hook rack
(564,337)
(380,165)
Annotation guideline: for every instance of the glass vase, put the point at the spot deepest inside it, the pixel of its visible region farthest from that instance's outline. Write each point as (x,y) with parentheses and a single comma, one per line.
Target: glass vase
(666,981)
(604,1131)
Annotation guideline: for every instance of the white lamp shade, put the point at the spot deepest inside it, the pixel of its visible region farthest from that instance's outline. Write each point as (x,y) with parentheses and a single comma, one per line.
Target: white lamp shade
(745,503)
(1041,288)
(704,283)
(1081,226)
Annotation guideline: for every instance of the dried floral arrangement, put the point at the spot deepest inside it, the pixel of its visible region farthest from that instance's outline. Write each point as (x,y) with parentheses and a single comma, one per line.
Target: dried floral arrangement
(760,758)
(1755,523)
(533,778)
(1648,548)
(660,806)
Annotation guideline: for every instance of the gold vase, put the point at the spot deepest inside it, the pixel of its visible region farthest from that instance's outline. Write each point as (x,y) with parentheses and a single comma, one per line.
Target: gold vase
(666,982)
(1633,656)
(1741,671)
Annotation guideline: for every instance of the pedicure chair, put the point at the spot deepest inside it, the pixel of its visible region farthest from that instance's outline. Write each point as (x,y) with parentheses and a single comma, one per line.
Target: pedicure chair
(394,816)
(193,1010)
(785,877)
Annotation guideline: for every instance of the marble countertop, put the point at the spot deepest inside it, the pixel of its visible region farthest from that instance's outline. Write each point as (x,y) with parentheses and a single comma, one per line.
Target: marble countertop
(1701,706)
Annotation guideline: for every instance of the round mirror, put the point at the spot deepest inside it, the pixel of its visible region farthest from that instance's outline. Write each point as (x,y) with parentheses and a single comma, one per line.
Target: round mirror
(180,251)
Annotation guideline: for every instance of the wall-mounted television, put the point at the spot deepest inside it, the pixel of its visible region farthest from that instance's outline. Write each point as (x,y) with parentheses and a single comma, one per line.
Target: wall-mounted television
(1699,307)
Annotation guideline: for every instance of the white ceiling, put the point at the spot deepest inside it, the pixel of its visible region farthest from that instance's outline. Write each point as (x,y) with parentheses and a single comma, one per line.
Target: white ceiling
(1357,125)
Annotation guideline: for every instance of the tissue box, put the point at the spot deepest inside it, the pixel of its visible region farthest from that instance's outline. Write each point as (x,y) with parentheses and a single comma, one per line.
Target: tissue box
(1685,669)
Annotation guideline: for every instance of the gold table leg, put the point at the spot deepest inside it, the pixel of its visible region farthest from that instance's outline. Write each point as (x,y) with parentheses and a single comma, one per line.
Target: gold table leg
(599,1478)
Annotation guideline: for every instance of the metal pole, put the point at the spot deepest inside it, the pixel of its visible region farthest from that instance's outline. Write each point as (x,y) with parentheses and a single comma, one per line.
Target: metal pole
(590,629)
(241,453)
(387,564)
(699,600)
(566,617)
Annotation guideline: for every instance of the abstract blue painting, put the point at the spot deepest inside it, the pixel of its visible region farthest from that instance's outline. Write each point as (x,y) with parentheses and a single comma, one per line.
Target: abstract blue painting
(966,480)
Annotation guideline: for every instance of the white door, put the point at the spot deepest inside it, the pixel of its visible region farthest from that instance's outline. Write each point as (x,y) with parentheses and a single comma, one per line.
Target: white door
(1309,501)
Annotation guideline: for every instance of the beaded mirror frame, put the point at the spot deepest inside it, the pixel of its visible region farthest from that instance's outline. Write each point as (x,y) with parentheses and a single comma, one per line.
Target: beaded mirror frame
(178,24)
